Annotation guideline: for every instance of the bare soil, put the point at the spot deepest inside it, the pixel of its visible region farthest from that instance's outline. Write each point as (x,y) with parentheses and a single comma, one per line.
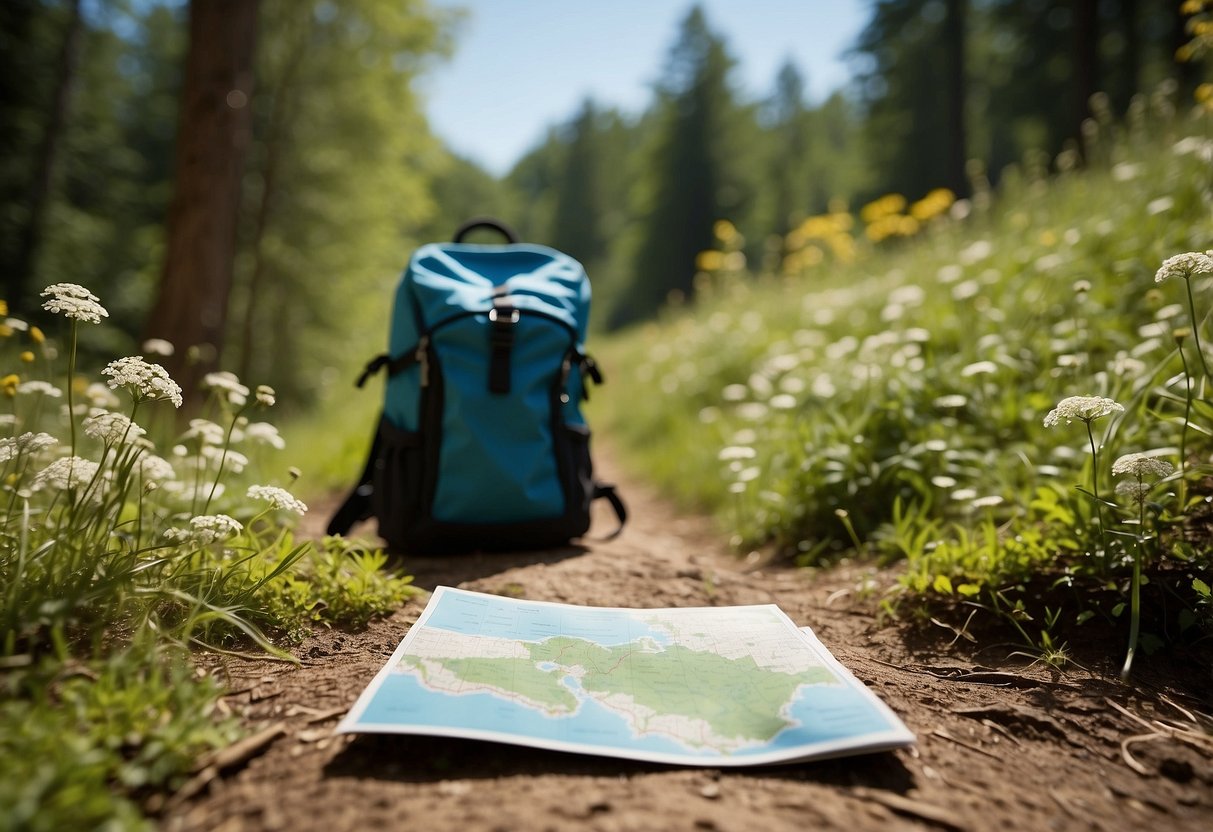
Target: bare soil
(1002,743)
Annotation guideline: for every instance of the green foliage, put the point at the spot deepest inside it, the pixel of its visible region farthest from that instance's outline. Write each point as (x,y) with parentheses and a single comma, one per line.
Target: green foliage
(78,740)
(115,561)
(899,400)
(342,583)
(338,186)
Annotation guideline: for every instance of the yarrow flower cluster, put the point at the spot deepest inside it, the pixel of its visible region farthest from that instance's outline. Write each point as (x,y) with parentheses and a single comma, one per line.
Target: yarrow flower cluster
(26,443)
(144,380)
(264,433)
(158,346)
(265,395)
(74,301)
(1135,490)
(277,498)
(1141,466)
(43,387)
(1184,266)
(154,469)
(206,529)
(69,472)
(1083,408)
(112,428)
(205,431)
(228,385)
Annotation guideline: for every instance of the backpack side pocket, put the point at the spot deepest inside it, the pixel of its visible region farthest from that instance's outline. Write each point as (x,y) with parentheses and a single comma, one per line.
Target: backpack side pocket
(397,479)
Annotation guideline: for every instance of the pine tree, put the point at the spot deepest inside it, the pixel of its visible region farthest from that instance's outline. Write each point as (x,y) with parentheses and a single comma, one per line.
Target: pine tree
(689,176)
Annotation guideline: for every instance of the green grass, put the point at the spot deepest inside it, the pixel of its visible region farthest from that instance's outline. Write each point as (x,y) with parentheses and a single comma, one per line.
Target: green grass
(897,401)
(126,542)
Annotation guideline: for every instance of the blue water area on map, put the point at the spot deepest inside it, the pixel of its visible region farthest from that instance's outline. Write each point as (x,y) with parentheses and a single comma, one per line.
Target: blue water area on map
(828,712)
(824,713)
(534,622)
(401,700)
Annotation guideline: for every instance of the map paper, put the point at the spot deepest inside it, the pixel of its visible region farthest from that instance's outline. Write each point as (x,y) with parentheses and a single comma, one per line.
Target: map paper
(711,686)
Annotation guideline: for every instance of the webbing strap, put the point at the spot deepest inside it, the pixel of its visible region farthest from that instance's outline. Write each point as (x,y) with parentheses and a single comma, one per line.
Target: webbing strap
(503,317)
(606,491)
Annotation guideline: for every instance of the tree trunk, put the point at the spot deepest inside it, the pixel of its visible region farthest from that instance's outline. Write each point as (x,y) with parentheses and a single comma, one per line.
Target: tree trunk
(957,85)
(213,136)
(1086,63)
(47,158)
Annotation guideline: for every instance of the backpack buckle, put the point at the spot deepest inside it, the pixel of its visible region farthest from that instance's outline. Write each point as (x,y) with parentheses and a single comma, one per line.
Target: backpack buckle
(502,318)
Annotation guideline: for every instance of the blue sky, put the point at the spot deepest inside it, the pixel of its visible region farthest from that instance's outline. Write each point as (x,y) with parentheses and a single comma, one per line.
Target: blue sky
(523,65)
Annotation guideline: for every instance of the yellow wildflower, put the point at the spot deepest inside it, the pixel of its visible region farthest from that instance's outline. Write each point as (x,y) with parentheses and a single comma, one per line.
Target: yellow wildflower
(9,383)
(709,261)
(724,230)
(27,357)
(36,335)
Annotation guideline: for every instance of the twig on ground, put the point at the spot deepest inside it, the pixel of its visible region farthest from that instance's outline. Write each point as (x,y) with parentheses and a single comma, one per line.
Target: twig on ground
(942,734)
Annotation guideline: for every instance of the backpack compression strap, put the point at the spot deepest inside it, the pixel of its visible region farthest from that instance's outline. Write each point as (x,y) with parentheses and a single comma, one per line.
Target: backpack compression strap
(357,506)
(606,491)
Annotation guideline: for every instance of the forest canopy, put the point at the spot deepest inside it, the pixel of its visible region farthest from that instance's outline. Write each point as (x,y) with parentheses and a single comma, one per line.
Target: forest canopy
(333,173)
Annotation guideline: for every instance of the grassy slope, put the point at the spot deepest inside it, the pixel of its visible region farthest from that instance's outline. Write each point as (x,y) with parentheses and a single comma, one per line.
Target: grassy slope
(901,396)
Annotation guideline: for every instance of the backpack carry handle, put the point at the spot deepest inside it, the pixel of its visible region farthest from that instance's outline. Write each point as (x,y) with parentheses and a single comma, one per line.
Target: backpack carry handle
(485,222)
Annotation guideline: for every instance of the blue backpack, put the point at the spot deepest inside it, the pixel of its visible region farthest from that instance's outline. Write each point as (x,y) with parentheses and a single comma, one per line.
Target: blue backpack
(481,443)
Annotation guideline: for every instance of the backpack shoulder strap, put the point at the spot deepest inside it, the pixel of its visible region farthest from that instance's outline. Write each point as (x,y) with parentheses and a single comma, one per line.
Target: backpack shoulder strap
(357,506)
(606,491)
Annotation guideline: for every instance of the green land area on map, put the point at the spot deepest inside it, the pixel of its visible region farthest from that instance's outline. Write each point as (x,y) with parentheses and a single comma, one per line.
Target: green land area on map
(737,698)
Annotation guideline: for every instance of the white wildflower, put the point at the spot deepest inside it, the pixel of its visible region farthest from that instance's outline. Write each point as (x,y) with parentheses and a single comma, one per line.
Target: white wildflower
(26,443)
(962,495)
(74,302)
(1184,265)
(953,400)
(1083,408)
(987,502)
(1160,205)
(43,387)
(99,395)
(265,395)
(979,368)
(112,428)
(1194,146)
(206,529)
(1140,465)
(733,452)
(158,346)
(228,385)
(1135,490)
(205,431)
(265,434)
(144,380)
(156,469)
(277,497)
(232,461)
(69,472)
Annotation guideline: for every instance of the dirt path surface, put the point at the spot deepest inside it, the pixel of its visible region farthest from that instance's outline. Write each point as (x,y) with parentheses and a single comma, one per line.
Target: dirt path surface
(1001,744)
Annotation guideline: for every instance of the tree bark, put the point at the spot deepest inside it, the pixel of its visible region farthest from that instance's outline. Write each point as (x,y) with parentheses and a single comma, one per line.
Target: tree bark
(1086,63)
(47,158)
(957,87)
(213,136)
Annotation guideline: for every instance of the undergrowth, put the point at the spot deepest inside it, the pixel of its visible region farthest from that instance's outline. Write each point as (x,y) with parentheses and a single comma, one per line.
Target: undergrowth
(921,397)
(117,559)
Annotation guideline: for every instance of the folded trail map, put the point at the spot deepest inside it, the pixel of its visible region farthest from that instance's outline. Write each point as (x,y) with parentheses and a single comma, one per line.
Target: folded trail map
(710,686)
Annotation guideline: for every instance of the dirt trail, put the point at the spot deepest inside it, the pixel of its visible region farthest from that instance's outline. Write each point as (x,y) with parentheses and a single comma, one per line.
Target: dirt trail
(1011,747)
